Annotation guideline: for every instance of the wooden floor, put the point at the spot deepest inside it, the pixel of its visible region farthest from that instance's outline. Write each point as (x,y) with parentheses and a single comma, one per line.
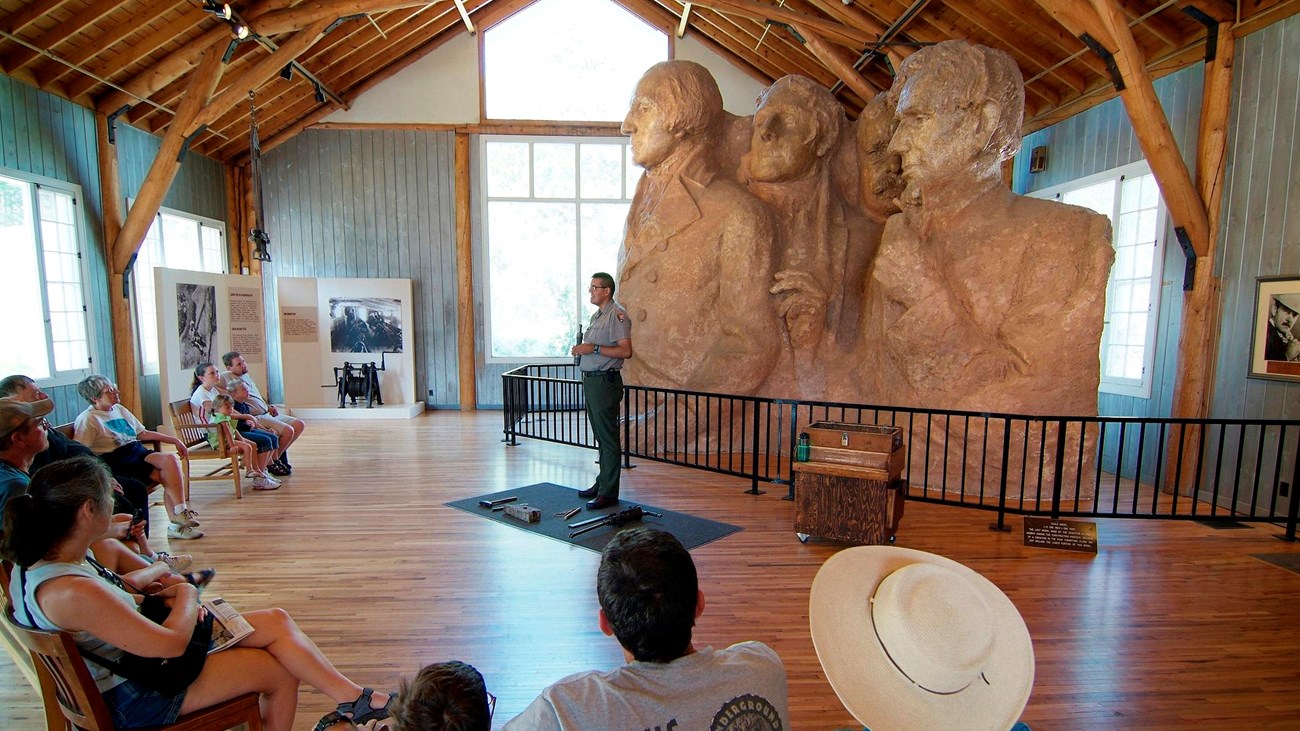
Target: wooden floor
(1171,625)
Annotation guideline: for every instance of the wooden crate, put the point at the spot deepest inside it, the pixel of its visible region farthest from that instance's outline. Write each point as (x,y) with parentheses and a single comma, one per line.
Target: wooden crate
(861,445)
(847,503)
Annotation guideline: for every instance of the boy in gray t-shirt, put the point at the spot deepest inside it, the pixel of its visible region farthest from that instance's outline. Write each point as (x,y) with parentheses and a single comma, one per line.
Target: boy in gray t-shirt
(649,598)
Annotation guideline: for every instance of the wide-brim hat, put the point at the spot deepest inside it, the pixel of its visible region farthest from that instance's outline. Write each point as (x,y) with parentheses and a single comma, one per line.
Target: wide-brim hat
(910,640)
(15,414)
(1290,301)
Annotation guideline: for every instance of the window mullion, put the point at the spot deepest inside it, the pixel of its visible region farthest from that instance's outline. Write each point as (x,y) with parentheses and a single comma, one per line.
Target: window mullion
(38,226)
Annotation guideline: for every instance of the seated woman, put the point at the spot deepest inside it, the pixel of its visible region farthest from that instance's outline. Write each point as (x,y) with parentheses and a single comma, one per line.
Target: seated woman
(205,388)
(47,533)
(115,435)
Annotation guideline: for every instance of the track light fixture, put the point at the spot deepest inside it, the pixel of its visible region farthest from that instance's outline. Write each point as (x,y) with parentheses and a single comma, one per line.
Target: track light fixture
(240,30)
(221,10)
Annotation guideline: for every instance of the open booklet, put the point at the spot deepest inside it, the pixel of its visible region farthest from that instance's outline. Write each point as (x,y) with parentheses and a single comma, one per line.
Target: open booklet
(228,625)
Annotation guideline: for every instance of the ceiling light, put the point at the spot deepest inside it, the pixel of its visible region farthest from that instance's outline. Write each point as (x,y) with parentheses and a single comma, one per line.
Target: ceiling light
(221,10)
(240,30)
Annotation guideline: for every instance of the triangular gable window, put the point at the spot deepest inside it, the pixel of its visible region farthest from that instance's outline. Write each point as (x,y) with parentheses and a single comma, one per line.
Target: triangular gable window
(567,60)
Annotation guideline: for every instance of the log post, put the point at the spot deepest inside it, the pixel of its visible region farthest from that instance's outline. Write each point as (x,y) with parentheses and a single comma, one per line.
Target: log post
(465,350)
(125,366)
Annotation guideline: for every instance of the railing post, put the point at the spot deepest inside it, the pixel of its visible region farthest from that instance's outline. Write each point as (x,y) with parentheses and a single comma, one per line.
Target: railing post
(1001,525)
(508,409)
(754,443)
(627,427)
(1294,510)
(1060,465)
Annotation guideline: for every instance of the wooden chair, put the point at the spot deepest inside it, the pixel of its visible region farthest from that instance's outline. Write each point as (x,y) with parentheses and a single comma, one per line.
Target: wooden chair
(194,433)
(65,678)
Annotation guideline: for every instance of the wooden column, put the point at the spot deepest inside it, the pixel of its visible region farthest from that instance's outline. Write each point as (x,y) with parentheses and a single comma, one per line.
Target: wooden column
(166,163)
(465,347)
(1198,341)
(124,346)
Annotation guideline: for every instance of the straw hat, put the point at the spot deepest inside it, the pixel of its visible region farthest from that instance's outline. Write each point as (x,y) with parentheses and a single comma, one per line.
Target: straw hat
(910,640)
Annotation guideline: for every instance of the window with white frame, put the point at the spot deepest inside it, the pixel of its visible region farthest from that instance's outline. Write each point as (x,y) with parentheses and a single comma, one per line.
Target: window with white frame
(175,240)
(554,209)
(41,290)
(572,60)
(1130,197)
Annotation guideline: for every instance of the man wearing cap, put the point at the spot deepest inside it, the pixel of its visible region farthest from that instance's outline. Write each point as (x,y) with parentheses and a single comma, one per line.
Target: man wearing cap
(606,344)
(22,437)
(649,599)
(1283,310)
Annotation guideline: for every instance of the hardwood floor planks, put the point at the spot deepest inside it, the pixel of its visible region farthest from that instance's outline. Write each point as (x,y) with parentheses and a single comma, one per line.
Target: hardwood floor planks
(1171,625)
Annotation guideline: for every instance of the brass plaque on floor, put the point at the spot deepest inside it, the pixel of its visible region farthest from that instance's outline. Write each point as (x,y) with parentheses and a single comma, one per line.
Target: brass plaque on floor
(1063,535)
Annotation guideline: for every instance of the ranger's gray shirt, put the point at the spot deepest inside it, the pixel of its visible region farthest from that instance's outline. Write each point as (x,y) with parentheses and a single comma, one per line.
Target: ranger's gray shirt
(740,687)
(608,326)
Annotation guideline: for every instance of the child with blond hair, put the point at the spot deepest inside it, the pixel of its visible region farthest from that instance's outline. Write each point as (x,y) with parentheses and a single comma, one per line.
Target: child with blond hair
(254,456)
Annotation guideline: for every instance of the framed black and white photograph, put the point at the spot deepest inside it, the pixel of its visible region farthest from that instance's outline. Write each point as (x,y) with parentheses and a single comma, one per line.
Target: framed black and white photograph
(196,319)
(1275,344)
(365,325)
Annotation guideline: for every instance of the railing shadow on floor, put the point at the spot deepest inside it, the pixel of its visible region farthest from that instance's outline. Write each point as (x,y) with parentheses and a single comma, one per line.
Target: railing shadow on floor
(1054,466)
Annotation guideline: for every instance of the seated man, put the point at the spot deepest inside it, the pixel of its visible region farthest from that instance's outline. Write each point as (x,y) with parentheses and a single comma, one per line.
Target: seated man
(286,428)
(445,696)
(649,599)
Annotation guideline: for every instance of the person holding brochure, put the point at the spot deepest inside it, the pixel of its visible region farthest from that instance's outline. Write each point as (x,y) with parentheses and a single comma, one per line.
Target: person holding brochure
(47,535)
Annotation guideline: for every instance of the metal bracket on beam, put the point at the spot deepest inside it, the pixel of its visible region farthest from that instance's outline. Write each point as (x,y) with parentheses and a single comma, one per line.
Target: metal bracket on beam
(112,123)
(185,146)
(787,26)
(686,16)
(126,277)
(1189,273)
(1108,58)
(343,20)
(1211,31)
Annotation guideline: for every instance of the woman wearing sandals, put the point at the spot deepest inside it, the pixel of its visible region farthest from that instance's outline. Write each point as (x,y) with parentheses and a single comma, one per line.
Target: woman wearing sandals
(47,533)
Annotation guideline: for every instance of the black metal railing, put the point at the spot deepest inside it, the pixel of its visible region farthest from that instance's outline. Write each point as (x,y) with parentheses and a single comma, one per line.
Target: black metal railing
(1058,466)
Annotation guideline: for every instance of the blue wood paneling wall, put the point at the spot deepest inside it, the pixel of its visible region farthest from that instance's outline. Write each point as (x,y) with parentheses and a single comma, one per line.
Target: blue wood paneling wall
(42,134)
(370,204)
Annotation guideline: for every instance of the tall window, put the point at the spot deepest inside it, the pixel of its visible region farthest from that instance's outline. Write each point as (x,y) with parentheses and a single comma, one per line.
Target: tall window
(175,241)
(555,213)
(1130,197)
(572,60)
(41,291)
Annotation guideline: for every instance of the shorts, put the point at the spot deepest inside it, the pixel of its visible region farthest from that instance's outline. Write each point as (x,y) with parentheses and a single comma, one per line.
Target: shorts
(265,441)
(132,705)
(129,459)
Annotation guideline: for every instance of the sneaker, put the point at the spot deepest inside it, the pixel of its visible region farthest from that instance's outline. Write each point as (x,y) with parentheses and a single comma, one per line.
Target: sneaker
(181,532)
(249,474)
(260,483)
(270,480)
(187,518)
(177,563)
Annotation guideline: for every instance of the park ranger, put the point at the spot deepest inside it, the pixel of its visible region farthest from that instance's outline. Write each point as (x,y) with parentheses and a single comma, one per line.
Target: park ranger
(604,347)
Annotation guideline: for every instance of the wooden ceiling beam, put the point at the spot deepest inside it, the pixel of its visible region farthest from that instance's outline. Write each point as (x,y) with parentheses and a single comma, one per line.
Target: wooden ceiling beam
(177,63)
(87,16)
(842,68)
(300,16)
(51,71)
(346,57)
(165,164)
(1151,127)
(777,48)
(1168,33)
(1006,34)
(113,64)
(761,12)
(261,72)
(24,16)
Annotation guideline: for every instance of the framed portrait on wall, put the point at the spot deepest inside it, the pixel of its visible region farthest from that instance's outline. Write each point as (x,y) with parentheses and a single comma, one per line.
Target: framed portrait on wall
(1275,342)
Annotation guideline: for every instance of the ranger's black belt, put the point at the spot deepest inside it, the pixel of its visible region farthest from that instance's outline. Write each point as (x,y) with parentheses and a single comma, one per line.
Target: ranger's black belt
(602,374)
